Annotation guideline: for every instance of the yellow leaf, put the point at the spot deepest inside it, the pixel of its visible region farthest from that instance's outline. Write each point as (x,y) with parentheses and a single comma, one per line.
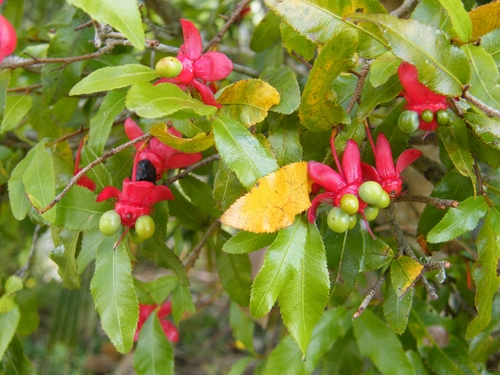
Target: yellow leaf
(199,143)
(404,273)
(248,101)
(485,18)
(273,202)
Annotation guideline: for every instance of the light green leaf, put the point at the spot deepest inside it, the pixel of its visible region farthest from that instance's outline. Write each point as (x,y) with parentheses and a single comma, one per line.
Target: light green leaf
(15,360)
(485,272)
(8,324)
(460,19)
(19,203)
(441,66)
(320,109)
(64,256)
(281,264)
(182,302)
(154,354)
(491,44)
(4,84)
(377,253)
(123,16)
(459,220)
(404,273)
(381,345)
(266,33)
(239,367)
(373,96)
(284,80)
(164,100)
(296,42)
(243,326)
(111,78)
(285,359)
(246,242)
(487,129)
(235,275)
(303,300)
(155,291)
(200,142)
(433,14)
(396,308)
(383,68)
(16,107)
(241,151)
(114,295)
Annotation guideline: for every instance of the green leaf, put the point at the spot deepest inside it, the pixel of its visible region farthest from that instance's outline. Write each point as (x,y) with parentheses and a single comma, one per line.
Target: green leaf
(155,248)
(241,151)
(90,241)
(373,96)
(491,44)
(383,68)
(4,84)
(101,123)
(485,272)
(284,80)
(19,203)
(99,174)
(344,252)
(188,214)
(79,211)
(200,142)
(111,78)
(404,273)
(243,326)
(15,360)
(460,220)
(266,33)
(235,275)
(344,357)
(455,141)
(293,41)
(281,264)
(126,18)
(39,181)
(154,354)
(227,187)
(486,129)
(458,353)
(320,109)
(484,83)
(114,295)
(396,308)
(182,302)
(200,194)
(460,20)
(381,345)
(285,359)
(377,253)
(164,100)
(433,14)
(246,242)
(155,291)
(16,107)
(285,141)
(8,324)
(64,256)
(248,101)
(441,66)
(239,367)
(30,320)
(303,300)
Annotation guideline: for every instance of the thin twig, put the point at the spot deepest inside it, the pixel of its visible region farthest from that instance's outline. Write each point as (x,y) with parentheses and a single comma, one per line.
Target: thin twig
(25,88)
(430,139)
(404,9)
(439,203)
(434,266)
(479,179)
(302,60)
(195,253)
(22,271)
(191,168)
(359,86)
(76,177)
(492,112)
(67,136)
(369,296)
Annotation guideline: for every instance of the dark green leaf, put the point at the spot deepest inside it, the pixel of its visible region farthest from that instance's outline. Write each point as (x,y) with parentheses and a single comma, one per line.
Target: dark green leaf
(200,195)
(8,324)
(15,360)
(188,215)
(284,80)
(30,320)
(285,141)
(64,256)
(246,242)
(266,33)
(373,96)
(396,308)
(458,354)
(487,129)
(4,84)
(296,42)
(433,14)
(19,203)
(99,174)
(227,187)
(243,326)
(285,359)
(235,274)
(377,253)
(90,242)
(155,291)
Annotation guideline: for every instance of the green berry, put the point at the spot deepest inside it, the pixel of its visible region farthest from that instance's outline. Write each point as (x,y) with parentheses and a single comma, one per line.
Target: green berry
(442,117)
(338,220)
(349,203)
(145,226)
(384,200)
(109,223)
(371,213)
(370,192)
(352,221)
(408,121)
(168,67)
(134,237)
(427,115)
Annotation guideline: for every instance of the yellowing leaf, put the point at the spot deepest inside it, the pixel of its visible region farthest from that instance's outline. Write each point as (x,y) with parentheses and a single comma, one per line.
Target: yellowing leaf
(485,18)
(273,202)
(200,142)
(248,101)
(404,272)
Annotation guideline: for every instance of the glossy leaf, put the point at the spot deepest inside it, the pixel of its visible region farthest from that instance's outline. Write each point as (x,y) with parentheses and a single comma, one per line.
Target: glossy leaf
(485,272)
(64,256)
(441,66)
(319,109)
(404,273)
(485,18)
(235,274)
(200,142)
(487,129)
(458,221)
(396,308)
(377,253)
(283,79)
(344,252)
(227,187)
(8,324)
(383,68)
(16,107)
(303,300)
(381,345)
(273,202)
(114,295)
(248,101)
(126,18)
(281,264)
(164,100)
(154,354)
(182,303)
(373,96)
(285,141)
(241,151)
(460,20)
(246,242)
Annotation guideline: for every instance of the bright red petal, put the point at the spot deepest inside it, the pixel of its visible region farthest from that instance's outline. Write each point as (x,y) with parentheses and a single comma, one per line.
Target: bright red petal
(133,131)
(207,96)
(8,38)
(107,193)
(325,176)
(351,163)
(86,182)
(406,158)
(322,198)
(383,158)
(369,173)
(212,66)
(182,160)
(415,91)
(165,310)
(192,41)
(160,193)
(170,331)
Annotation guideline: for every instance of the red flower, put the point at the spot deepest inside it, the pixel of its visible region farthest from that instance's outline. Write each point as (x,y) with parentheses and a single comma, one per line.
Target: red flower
(418,96)
(161,156)
(84,180)
(135,199)
(199,69)
(170,330)
(388,176)
(8,38)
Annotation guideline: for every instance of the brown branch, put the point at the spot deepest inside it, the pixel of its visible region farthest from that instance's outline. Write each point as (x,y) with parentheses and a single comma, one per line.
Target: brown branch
(25,88)
(439,203)
(479,179)
(404,9)
(491,112)
(432,170)
(76,177)
(302,60)
(191,168)
(369,296)
(359,86)
(430,139)
(195,253)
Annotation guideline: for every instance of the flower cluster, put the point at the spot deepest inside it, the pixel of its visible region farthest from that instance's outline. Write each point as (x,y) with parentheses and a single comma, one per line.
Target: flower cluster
(198,69)
(358,187)
(169,329)
(8,38)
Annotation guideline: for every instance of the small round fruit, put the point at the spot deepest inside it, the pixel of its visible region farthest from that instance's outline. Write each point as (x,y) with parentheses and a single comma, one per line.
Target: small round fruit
(384,200)
(109,223)
(427,115)
(338,220)
(134,237)
(168,67)
(442,117)
(370,192)
(371,213)
(145,226)
(352,221)
(408,121)
(349,203)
